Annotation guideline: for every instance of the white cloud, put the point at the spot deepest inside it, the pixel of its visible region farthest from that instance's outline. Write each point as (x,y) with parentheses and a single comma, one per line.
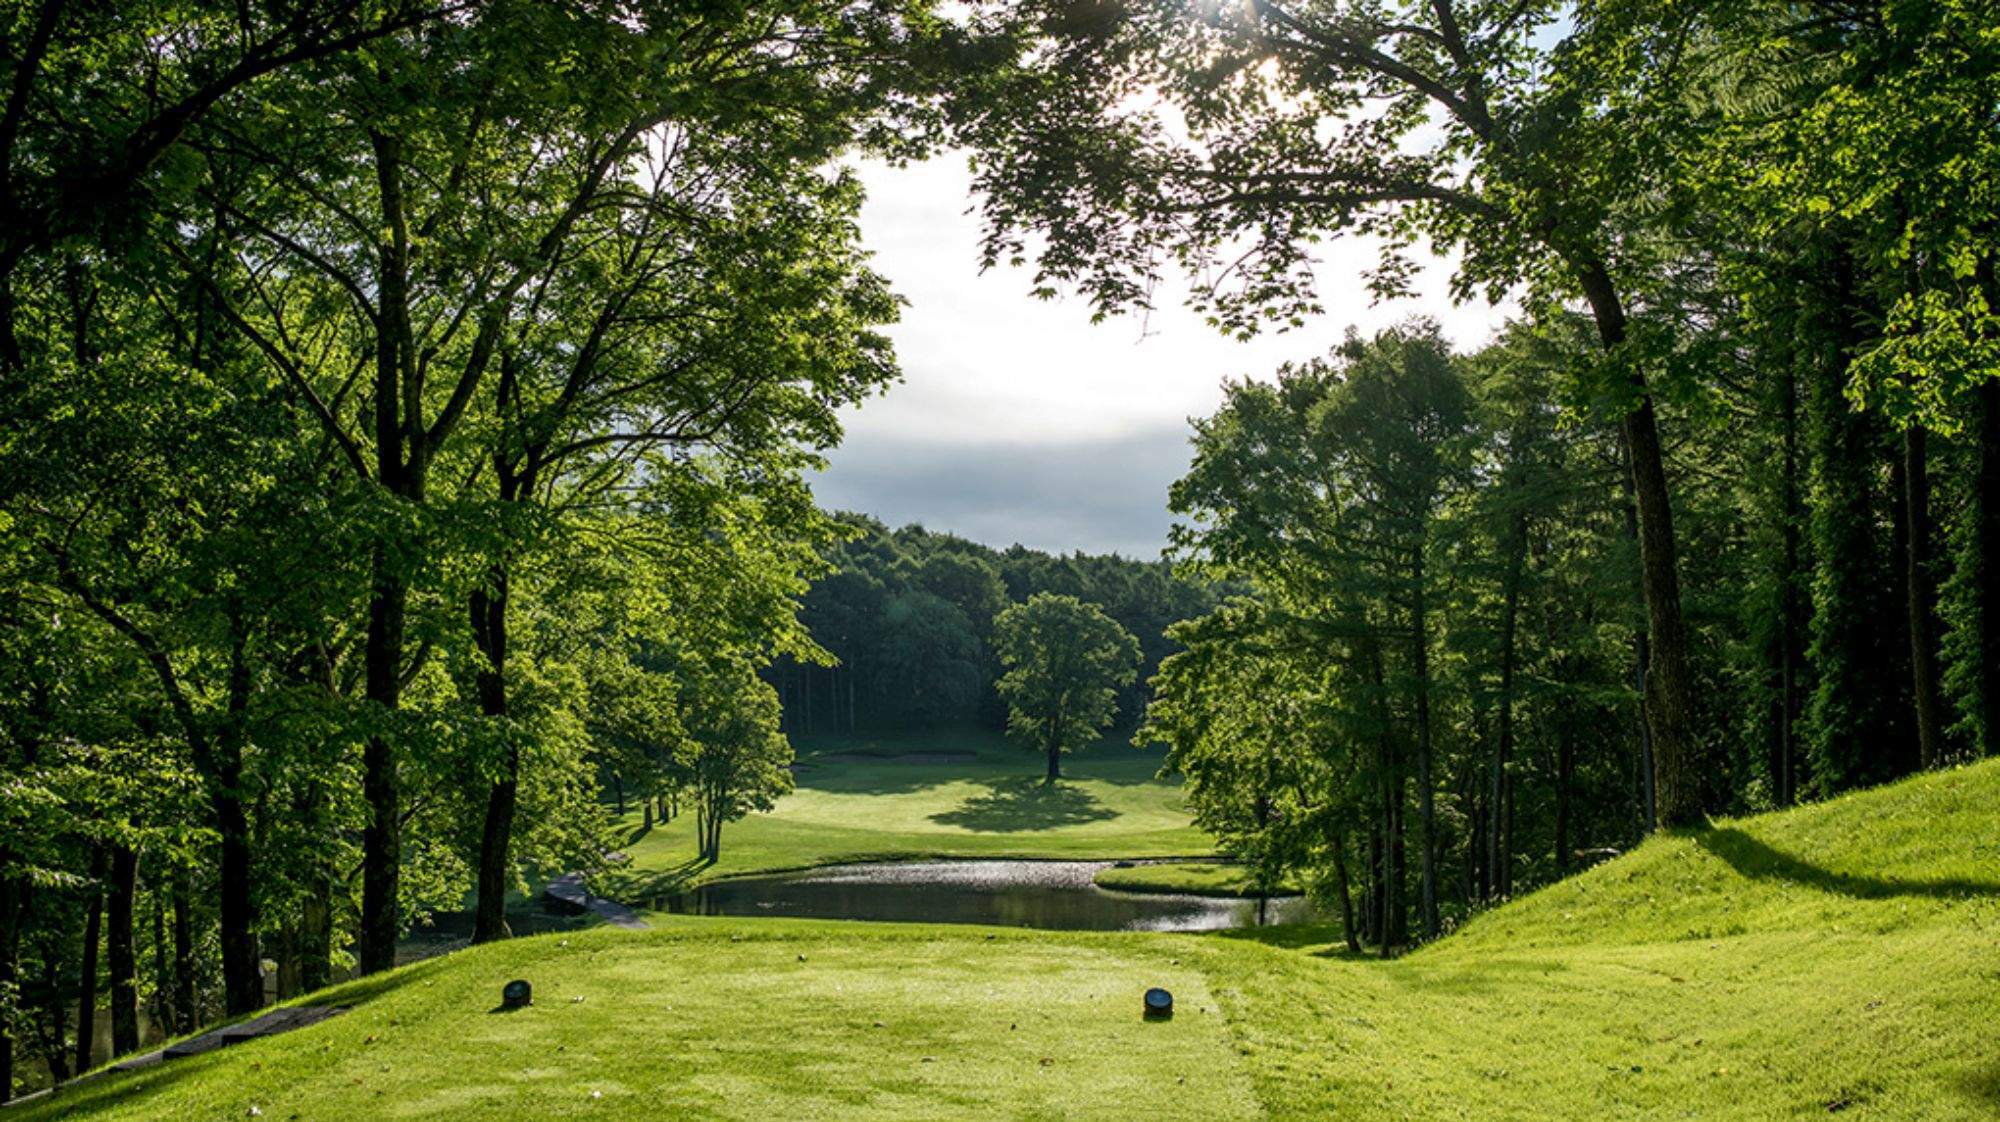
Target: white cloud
(993,372)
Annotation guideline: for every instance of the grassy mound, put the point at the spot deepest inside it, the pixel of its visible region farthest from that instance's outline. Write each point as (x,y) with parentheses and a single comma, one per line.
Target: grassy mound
(970,793)
(1842,959)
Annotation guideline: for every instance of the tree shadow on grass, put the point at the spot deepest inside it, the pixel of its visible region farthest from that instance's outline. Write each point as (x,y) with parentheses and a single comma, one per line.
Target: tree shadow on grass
(1755,859)
(107,1088)
(1022,804)
(627,884)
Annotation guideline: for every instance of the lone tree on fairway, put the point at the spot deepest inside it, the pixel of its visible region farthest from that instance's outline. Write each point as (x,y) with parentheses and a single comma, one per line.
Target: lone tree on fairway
(1065,660)
(734,759)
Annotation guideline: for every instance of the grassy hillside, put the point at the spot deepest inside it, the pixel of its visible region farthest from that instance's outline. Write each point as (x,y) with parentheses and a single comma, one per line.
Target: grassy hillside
(968,793)
(1842,959)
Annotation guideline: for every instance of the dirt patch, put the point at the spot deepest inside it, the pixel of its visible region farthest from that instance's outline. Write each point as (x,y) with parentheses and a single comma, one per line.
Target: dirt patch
(905,758)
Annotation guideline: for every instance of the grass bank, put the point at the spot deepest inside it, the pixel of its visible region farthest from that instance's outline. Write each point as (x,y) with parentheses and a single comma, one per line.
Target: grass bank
(1836,960)
(968,793)
(1193,878)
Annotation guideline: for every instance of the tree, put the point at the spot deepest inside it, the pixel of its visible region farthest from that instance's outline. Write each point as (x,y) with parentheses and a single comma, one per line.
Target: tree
(1275,750)
(573,270)
(1299,120)
(734,760)
(1064,661)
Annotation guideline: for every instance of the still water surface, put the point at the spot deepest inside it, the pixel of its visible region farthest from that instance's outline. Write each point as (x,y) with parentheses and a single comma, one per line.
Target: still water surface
(1057,895)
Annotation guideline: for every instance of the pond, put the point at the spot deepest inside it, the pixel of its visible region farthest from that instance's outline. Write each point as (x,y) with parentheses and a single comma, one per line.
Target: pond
(1056,895)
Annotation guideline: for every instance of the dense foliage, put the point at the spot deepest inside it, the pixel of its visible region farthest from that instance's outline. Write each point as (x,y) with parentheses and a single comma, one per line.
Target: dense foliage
(908,614)
(1710,527)
(408,407)
(1064,661)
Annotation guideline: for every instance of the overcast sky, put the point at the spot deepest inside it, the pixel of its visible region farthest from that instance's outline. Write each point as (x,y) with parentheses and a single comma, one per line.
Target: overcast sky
(1017,419)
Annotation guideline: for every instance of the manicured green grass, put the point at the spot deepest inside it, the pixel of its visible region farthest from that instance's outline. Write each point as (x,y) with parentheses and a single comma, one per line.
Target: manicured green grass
(1837,960)
(1842,958)
(861,800)
(1194,878)
(733,1020)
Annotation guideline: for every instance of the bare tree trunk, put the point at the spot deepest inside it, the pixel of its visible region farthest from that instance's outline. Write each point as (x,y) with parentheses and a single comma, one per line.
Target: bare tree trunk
(489,631)
(1055,746)
(54,1050)
(1790,629)
(1565,768)
(86,980)
(1669,685)
(1921,596)
(399,470)
(1641,663)
(242,964)
(1394,929)
(163,969)
(13,906)
(1500,869)
(1426,781)
(1985,560)
(1347,930)
(185,1011)
(316,937)
(120,952)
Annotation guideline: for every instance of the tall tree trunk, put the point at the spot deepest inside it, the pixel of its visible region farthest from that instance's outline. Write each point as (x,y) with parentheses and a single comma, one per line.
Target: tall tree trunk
(1790,628)
(242,964)
(1669,682)
(1984,561)
(1500,870)
(1371,892)
(316,936)
(86,978)
(54,1050)
(315,927)
(1347,930)
(121,953)
(1648,808)
(1847,731)
(489,631)
(1426,782)
(1055,745)
(13,903)
(1921,596)
(1479,845)
(381,840)
(163,967)
(185,1011)
(1394,926)
(399,469)
(1565,768)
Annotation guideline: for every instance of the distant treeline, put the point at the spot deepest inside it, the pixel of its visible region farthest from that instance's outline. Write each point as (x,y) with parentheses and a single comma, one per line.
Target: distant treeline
(909,615)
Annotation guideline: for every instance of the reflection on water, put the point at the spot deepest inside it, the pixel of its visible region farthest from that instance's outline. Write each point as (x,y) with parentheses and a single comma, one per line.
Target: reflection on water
(1057,895)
